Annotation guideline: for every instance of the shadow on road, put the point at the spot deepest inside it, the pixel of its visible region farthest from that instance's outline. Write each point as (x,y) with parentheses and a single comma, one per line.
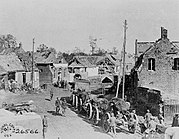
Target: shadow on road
(47,99)
(82,115)
(54,113)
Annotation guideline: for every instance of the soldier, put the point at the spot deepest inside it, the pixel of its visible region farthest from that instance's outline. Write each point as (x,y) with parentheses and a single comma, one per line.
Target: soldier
(175,122)
(112,122)
(45,125)
(51,94)
(147,117)
(149,132)
(133,121)
(63,105)
(57,104)
(113,108)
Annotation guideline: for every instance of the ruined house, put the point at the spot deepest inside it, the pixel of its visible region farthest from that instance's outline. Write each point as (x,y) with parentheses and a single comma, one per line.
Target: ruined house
(158,67)
(24,77)
(12,65)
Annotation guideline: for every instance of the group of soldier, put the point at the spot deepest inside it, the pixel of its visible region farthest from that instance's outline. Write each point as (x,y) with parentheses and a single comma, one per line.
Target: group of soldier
(133,122)
(60,104)
(60,108)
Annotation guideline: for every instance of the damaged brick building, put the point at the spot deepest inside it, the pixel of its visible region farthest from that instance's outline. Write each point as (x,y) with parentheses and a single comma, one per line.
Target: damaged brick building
(158,68)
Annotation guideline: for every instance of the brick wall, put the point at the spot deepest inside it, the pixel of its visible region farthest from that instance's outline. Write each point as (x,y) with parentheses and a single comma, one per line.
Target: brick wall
(164,78)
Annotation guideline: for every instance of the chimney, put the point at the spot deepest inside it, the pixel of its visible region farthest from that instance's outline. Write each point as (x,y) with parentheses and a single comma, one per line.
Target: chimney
(136,56)
(163,33)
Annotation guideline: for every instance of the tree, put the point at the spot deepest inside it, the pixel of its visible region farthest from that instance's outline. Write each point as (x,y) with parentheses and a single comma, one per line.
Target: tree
(92,43)
(114,50)
(99,52)
(45,50)
(68,56)
(7,41)
(51,49)
(42,48)
(79,52)
(59,54)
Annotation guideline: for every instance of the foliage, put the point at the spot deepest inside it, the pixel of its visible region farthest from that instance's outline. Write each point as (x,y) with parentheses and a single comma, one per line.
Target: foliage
(7,41)
(53,50)
(59,55)
(92,43)
(99,52)
(45,50)
(42,48)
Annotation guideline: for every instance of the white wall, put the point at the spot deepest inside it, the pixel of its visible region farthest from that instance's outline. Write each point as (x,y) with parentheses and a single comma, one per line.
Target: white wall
(92,71)
(19,78)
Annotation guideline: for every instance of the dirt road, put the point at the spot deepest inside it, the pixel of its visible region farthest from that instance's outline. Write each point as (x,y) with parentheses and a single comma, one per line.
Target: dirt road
(72,126)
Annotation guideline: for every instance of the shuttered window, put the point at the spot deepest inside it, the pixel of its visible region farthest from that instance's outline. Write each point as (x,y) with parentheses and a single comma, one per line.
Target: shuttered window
(151,64)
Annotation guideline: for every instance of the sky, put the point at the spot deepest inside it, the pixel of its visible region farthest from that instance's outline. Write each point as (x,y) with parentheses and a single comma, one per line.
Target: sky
(66,24)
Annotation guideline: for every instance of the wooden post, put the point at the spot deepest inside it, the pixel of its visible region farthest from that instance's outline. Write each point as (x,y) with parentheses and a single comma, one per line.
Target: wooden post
(123,71)
(135,51)
(33,63)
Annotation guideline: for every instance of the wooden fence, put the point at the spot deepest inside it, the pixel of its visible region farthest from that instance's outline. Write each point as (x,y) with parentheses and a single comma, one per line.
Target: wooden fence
(170,111)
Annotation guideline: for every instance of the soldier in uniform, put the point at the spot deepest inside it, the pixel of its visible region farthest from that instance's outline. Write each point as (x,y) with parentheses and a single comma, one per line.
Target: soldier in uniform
(147,117)
(175,122)
(51,94)
(45,125)
(57,105)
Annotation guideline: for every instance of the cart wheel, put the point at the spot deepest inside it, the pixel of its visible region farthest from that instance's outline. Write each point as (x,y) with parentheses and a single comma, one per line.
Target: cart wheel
(73,100)
(105,123)
(89,110)
(76,101)
(95,115)
(80,105)
(125,118)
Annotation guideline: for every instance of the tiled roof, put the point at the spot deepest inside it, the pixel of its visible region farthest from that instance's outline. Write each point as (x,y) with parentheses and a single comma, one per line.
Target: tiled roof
(76,64)
(143,46)
(60,60)
(85,61)
(40,59)
(11,63)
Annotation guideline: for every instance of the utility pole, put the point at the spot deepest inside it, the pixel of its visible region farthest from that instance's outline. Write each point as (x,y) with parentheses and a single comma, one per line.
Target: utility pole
(135,51)
(124,52)
(123,70)
(33,63)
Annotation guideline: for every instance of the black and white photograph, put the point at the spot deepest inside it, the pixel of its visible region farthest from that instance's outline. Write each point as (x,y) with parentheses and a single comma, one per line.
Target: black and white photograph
(89,69)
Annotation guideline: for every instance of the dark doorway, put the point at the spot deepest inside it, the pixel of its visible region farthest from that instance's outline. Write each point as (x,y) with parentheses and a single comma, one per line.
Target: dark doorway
(24,78)
(11,75)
